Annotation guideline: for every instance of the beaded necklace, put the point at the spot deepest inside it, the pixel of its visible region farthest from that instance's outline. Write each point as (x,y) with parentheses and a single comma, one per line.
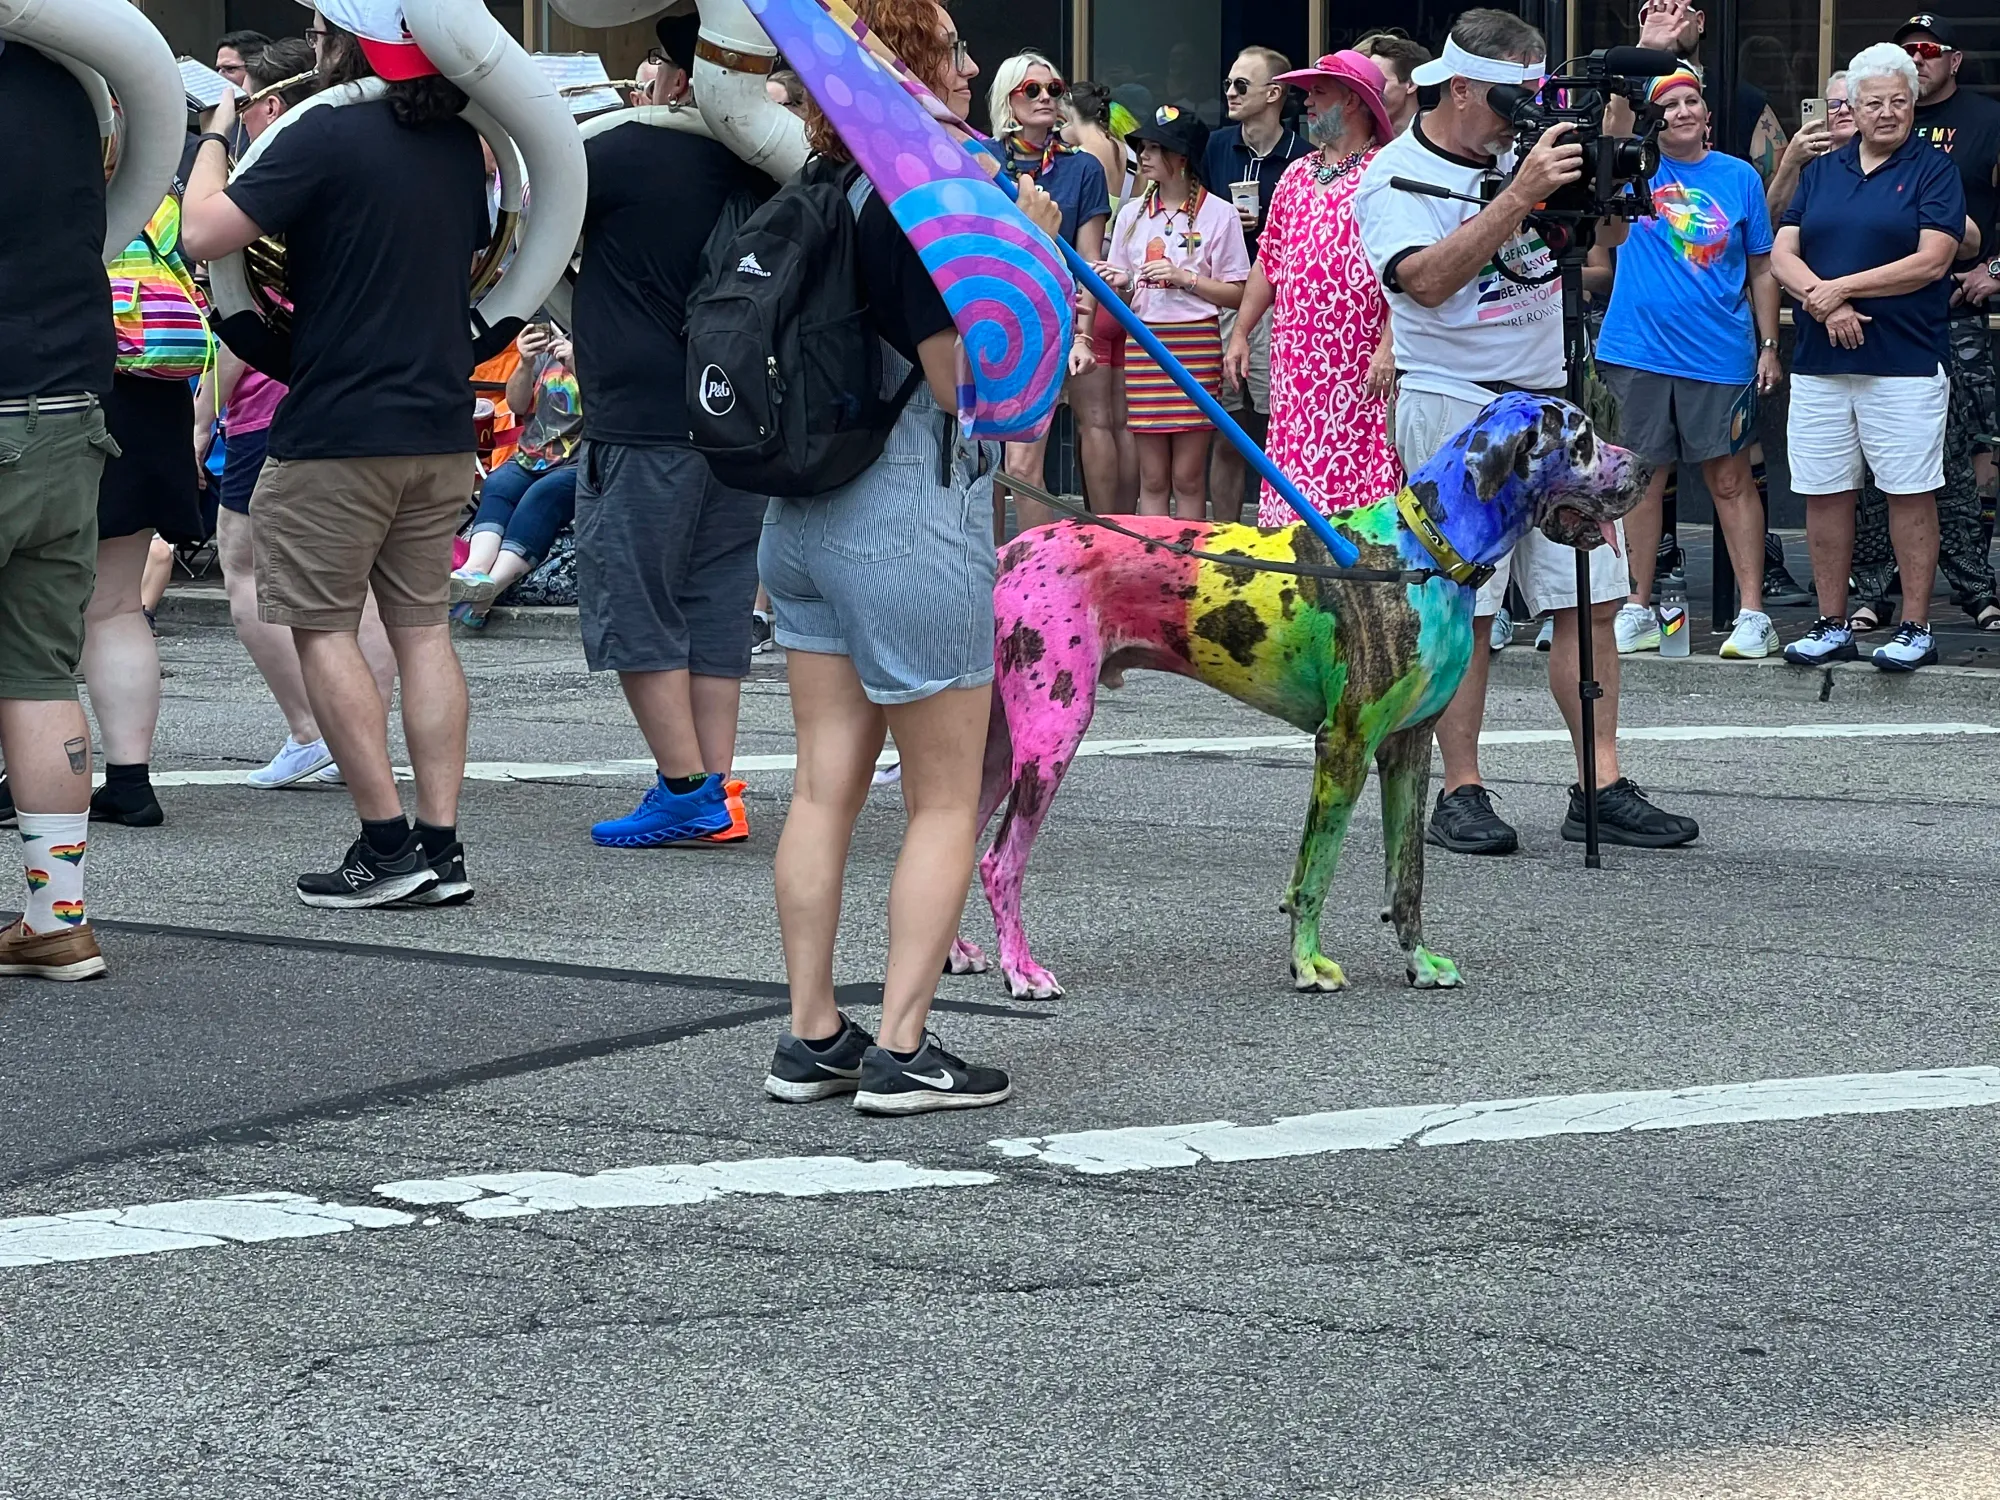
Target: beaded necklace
(1325,171)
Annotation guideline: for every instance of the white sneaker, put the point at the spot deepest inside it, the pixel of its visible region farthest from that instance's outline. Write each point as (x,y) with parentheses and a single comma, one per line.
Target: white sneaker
(1911,647)
(295,762)
(1753,638)
(1638,629)
(1545,638)
(887,775)
(1502,635)
(470,586)
(331,776)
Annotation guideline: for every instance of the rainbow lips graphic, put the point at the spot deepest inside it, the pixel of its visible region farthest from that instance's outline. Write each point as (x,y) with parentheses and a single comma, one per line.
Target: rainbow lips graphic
(38,880)
(68,911)
(72,853)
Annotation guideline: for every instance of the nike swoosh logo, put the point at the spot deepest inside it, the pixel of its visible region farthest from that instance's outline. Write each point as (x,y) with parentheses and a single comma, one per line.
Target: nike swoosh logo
(854,1072)
(940,1080)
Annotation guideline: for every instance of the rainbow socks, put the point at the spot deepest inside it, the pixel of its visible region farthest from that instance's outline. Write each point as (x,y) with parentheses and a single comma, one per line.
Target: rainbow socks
(53,846)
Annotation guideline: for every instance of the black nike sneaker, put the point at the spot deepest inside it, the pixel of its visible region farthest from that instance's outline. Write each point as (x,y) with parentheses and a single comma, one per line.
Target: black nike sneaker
(933,1079)
(366,878)
(803,1071)
(452,888)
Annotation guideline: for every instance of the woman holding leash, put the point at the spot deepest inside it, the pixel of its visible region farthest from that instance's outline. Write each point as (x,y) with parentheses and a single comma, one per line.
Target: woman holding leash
(1690,343)
(1177,255)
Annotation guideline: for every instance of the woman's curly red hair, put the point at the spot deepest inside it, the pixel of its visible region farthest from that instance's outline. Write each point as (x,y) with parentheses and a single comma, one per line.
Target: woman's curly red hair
(910,29)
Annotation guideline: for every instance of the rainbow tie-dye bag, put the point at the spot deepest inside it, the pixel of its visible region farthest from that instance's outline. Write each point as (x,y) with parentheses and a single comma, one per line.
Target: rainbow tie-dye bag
(159,314)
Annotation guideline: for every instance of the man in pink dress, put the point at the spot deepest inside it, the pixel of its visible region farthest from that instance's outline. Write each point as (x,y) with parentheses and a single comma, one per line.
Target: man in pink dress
(1331,368)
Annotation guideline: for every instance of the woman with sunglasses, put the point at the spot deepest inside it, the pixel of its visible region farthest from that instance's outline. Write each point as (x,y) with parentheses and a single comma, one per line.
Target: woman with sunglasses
(1025,106)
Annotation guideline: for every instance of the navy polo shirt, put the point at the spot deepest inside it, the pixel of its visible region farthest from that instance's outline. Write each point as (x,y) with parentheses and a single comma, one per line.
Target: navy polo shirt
(1075,179)
(1851,222)
(1228,160)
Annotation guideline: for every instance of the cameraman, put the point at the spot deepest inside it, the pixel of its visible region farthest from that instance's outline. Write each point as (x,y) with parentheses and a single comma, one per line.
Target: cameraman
(1452,312)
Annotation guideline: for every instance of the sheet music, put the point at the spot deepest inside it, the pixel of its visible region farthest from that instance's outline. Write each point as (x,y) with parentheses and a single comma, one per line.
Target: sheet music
(568,69)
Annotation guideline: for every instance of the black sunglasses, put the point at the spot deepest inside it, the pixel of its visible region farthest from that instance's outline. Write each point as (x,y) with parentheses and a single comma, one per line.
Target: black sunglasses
(1239,85)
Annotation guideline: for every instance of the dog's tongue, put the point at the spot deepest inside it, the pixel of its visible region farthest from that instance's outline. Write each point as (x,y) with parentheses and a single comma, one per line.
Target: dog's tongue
(1610,537)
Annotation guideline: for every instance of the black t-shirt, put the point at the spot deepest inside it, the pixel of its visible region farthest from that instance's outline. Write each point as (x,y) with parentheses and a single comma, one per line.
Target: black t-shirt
(1966,127)
(901,295)
(55,303)
(655,196)
(381,222)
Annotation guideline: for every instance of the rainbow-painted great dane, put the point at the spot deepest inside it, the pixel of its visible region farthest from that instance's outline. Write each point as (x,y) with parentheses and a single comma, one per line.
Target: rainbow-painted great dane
(1367,667)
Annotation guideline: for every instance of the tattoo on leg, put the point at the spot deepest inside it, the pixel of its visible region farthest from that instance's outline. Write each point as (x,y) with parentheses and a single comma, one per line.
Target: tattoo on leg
(79,756)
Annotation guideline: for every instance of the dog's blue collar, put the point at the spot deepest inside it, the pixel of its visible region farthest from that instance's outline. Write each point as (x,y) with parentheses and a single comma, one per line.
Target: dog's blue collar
(1425,530)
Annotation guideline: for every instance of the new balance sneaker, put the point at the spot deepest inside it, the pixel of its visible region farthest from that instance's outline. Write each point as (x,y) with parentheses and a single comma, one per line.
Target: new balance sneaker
(295,762)
(933,1079)
(69,954)
(803,1071)
(1753,638)
(1502,634)
(1545,638)
(1624,816)
(664,818)
(1909,648)
(739,817)
(366,878)
(1465,823)
(470,586)
(452,888)
(1637,628)
(1828,640)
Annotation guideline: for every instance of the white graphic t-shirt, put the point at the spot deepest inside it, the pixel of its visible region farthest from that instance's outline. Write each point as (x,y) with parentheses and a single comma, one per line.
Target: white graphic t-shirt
(1491,329)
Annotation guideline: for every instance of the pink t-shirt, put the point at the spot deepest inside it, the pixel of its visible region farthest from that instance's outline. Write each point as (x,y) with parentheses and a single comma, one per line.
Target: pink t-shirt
(1211,245)
(253,403)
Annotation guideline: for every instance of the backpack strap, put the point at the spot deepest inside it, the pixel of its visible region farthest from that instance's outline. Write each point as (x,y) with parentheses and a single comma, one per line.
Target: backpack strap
(859,190)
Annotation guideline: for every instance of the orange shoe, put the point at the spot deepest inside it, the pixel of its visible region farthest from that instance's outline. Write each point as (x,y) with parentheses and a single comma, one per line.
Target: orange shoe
(67,953)
(739,820)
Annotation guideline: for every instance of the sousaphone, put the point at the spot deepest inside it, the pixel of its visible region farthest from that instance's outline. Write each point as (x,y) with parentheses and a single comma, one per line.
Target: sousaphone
(533,137)
(115,53)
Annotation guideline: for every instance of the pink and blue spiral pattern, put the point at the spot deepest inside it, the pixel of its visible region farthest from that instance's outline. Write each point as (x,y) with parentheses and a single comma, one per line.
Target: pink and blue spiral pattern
(1004,284)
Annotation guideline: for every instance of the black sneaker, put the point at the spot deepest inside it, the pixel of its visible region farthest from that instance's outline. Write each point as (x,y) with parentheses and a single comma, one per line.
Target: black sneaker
(366,878)
(1465,823)
(452,888)
(130,803)
(804,1071)
(1624,816)
(933,1079)
(1779,585)
(7,815)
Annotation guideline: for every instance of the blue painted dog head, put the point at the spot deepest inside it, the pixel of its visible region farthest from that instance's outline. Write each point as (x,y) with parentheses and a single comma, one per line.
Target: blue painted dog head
(1524,461)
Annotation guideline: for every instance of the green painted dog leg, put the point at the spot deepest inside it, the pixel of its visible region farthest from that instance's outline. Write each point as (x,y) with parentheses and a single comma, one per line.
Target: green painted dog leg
(1340,767)
(1404,763)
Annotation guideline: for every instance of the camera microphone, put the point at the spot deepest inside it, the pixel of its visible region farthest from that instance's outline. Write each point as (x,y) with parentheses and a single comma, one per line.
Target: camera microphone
(1640,62)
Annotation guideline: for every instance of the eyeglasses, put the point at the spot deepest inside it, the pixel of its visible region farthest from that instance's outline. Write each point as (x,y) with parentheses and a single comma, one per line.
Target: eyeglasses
(1033,89)
(961,54)
(316,34)
(1838,106)
(1928,51)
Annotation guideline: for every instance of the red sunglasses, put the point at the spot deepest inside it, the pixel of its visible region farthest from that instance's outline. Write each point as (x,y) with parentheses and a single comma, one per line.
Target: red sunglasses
(1034,88)
(1927,51)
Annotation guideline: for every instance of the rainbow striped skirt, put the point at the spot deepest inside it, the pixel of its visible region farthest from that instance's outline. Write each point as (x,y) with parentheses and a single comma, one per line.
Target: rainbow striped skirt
(1154,402)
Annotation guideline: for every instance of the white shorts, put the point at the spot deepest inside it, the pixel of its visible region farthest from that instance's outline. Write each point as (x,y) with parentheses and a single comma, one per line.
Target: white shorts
(1255,392)
(1425,421)
(1892,424)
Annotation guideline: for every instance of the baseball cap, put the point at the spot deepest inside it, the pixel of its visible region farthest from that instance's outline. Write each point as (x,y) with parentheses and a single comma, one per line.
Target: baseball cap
(384,36)
(1938,26)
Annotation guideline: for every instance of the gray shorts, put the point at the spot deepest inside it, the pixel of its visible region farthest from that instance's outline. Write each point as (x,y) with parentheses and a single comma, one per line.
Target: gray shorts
(666,563)
(894,570)
(1667,417)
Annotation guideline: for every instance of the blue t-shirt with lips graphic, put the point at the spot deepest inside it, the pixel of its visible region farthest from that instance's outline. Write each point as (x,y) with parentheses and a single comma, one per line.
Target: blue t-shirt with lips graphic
(1680,303)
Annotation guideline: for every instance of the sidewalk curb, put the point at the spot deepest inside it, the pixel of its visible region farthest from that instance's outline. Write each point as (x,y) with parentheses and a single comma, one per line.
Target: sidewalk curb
(1775,680)
(209,609)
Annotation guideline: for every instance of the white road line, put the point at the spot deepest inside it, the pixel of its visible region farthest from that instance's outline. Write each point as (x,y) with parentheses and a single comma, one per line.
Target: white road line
(1148,1148)
(193,1224)
(746,765)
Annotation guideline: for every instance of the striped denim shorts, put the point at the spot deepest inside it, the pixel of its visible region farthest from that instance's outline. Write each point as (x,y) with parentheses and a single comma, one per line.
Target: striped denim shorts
(895,569)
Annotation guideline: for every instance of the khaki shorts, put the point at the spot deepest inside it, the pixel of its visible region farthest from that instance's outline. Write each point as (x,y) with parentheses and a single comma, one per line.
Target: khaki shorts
(329,528)
(50,463)
(1255,392)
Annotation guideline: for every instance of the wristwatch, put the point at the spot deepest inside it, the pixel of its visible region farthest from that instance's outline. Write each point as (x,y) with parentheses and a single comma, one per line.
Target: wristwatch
(1993,268)
(1767,343)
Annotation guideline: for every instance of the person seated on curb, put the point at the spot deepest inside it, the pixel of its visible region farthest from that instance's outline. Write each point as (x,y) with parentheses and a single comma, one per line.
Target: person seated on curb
(528,500)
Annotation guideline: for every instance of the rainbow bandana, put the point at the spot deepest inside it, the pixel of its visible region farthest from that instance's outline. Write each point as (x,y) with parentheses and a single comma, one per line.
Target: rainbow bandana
(1680,78)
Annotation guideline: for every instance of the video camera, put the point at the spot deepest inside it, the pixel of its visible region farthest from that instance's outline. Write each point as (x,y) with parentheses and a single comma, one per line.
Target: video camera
(1616,168)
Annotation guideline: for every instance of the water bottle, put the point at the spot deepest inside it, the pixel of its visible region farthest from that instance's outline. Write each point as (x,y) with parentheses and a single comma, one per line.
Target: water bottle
(1674,615)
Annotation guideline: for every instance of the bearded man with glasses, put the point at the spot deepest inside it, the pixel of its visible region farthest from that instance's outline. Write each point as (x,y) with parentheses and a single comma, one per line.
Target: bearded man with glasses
(1254,147)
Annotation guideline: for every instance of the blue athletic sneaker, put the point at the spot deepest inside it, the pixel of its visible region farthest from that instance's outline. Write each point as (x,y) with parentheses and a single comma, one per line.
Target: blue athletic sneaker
(663,818)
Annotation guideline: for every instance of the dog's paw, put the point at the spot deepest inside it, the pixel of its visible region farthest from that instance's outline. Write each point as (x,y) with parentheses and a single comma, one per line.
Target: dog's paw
(1317,974)
(1032,982)
(1433,971)
(965,958)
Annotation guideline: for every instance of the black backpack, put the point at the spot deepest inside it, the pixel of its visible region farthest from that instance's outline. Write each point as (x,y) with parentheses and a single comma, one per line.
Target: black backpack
(784,366)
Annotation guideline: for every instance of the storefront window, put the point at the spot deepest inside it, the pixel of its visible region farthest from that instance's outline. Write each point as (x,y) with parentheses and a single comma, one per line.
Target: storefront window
(1856,25)
(1777,47)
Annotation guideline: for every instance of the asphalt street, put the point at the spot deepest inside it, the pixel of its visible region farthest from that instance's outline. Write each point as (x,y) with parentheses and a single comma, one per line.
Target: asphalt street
(1773,1302)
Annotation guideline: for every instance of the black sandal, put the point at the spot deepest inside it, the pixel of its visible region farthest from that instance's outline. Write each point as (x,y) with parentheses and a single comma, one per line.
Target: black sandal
(1988,618)
(1864,619)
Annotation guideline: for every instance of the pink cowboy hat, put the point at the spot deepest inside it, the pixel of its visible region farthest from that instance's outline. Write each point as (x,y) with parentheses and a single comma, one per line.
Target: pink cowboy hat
(1358,73)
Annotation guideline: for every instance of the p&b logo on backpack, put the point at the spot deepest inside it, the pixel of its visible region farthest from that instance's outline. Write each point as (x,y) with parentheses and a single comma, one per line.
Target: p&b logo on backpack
(718,396)
(750,266)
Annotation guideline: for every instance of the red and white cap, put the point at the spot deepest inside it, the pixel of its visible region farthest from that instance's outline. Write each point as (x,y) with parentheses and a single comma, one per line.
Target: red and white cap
(384,36)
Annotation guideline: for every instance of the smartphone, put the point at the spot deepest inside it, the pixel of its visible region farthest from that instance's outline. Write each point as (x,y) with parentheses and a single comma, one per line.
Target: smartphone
(1812,112)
